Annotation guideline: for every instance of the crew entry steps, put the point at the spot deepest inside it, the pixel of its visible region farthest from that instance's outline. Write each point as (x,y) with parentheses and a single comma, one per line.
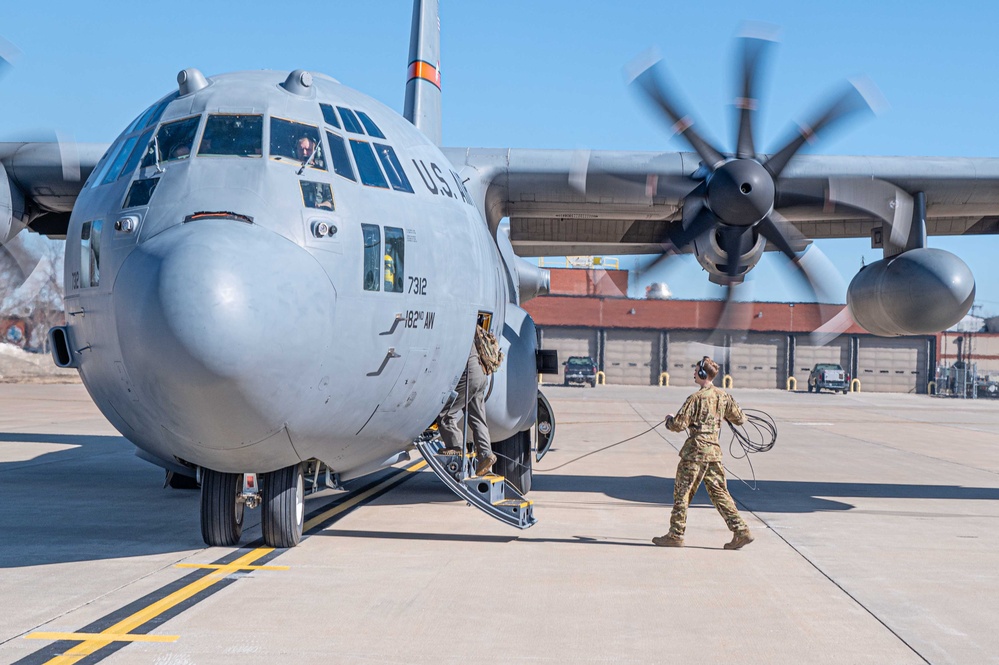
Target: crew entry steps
(490,493)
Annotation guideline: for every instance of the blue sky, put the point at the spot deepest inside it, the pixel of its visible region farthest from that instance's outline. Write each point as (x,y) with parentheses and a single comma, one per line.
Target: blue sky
(544,74)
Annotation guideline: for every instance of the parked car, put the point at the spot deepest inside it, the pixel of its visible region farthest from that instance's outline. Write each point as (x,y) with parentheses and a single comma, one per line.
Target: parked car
(580,369)
(828,376)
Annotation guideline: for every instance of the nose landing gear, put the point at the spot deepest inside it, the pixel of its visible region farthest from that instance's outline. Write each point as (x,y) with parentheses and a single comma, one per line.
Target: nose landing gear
(224,500)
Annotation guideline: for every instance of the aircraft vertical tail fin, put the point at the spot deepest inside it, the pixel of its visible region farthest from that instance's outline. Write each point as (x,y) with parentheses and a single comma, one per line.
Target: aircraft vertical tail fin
(423,85)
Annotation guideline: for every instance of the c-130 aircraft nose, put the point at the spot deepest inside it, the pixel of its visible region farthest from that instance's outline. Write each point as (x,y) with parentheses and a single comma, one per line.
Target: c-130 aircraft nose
(223,324)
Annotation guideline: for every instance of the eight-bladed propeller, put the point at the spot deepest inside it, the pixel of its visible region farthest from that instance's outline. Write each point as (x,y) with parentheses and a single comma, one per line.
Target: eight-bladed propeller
(735,195)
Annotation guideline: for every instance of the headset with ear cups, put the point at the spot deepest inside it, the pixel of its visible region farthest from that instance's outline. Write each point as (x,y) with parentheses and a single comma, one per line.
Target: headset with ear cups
(701,372)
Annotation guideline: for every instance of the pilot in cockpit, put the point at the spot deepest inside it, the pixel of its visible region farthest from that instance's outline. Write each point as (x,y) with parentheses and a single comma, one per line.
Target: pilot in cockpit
(309,153)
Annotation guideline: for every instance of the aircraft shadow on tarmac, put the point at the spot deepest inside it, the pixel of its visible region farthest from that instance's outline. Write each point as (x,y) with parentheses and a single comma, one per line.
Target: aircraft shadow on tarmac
(93,501)
(97,500)
(776,496)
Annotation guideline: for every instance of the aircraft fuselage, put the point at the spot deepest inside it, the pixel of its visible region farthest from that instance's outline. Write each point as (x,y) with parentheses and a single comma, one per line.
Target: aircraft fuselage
(272,300)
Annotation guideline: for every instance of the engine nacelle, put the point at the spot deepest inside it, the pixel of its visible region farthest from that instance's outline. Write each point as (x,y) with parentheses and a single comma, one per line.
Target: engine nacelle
(11,208)
(714,259)
(512,400)
(919,292)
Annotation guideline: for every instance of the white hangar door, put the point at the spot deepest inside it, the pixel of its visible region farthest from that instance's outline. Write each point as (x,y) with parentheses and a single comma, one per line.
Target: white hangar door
(759,361)
(631,357)
(683,350)
(892,365)
(569,342)
(808,355)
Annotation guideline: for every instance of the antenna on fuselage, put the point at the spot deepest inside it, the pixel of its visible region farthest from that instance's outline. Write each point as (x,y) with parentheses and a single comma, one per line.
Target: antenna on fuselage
(423,85)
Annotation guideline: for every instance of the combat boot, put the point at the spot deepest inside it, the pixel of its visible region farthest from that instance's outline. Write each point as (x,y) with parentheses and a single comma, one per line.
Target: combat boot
(485,465)
(669,540)
(739,540)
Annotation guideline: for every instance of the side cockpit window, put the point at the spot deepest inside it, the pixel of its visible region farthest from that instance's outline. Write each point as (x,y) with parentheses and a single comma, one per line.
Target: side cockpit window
(372,256)
(393,168)
(233,135)
(297,143)
(317,195)
(173,141)
(350,121)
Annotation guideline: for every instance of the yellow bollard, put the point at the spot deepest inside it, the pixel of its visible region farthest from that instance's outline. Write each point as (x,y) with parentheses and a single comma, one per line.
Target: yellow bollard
(601,379)
(727,381)
(855,386)
(792,383)
(664,379)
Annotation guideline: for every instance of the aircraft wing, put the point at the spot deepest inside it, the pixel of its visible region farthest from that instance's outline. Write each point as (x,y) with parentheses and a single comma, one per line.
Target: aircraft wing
(563,202)
(40,181)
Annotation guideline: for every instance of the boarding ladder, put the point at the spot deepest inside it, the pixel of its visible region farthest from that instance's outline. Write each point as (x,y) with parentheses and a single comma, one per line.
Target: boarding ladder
(489,493)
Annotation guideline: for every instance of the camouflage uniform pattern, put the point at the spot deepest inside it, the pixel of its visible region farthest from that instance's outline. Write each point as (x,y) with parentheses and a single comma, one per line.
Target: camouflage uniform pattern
(700,458)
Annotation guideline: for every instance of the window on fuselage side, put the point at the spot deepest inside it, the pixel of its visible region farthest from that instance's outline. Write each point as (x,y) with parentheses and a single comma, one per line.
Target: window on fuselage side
(372,256)
(317,195)
(329,115)
(233,135)
(367,164)
(339,156)
(295,141)
(393,168)
(395,255)
(140,192)
(350,121)
(174,141)
(90,254)
(370,125)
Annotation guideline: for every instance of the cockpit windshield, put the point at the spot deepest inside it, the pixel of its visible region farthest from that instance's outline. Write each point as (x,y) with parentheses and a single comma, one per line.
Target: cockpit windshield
(236,135)
(298,143)
(173,141)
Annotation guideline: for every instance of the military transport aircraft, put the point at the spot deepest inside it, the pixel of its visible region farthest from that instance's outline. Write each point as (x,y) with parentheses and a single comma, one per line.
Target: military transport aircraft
(249,202)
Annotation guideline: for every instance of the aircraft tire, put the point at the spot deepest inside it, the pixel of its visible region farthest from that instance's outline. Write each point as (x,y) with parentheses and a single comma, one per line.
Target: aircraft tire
(283,507)
(514,460)
(221,514)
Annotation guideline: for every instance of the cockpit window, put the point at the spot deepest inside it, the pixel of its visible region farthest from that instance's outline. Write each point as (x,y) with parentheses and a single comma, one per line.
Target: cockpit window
(350,121)
(370,125)
(137,152)
(367,164)
(151,115)
(140,192)
(114,170)
(235,135)
(296,142)
(393,168)
(341,160)
(329,115)
(317,195)
(173,141)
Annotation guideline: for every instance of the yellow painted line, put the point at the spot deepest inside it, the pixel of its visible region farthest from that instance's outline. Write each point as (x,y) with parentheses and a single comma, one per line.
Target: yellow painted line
(127,625)
(121,631)
(122,637)
(218,566)
(350,503)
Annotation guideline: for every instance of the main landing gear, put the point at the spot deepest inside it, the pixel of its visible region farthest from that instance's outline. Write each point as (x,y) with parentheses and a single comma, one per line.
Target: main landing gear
(226,496)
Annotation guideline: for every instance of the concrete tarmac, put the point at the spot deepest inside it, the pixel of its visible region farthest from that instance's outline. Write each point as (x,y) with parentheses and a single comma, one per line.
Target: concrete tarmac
(877,541)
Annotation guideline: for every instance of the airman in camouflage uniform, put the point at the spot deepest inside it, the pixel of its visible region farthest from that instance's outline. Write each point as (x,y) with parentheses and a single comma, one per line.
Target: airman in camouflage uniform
(700,457)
